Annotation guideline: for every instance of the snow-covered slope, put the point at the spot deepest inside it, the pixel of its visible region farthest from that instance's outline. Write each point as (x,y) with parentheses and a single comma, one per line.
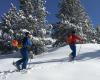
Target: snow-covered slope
(54,65)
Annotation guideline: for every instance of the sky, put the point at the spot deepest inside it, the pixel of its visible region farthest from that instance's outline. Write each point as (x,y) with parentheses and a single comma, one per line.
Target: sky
(91,7)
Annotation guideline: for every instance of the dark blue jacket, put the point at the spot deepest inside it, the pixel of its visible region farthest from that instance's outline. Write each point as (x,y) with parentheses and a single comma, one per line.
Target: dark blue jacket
(27,43)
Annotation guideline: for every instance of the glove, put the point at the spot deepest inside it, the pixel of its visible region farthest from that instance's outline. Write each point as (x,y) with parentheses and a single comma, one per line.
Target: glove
(31,55)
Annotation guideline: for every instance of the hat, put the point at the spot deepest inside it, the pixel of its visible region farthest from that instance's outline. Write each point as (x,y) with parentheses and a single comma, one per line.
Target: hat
(73,31)
(27,33)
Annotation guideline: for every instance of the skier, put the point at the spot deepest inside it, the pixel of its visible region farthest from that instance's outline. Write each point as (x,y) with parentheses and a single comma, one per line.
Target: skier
(71,40)
(26,44)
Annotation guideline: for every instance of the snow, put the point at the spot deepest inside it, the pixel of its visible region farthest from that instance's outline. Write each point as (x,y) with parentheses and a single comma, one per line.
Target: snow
(54,65)
(24,30)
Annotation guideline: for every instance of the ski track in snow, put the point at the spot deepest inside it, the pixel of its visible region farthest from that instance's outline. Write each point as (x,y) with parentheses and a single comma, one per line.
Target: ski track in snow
(54,65)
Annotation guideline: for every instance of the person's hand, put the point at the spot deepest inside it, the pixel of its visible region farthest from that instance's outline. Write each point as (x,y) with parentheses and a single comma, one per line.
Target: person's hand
(31,55)
(30,36)
(82,41)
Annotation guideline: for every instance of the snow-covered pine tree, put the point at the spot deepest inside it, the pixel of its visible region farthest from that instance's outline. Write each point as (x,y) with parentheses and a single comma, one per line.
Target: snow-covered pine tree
(26,6)
(35,12)
(98,34)
(8,24)
(31,17)
(72,15)
(40,13)
(9,21)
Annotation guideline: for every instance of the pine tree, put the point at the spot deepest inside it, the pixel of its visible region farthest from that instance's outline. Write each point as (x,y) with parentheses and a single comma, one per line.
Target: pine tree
(26,6)
(40,14)
(72,15)
(35,13)
(9,21)
(98,34)
(9,18)
(31,17)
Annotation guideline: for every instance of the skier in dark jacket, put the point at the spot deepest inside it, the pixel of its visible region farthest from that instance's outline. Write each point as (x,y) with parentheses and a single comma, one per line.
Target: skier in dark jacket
(26,44)
(71,40)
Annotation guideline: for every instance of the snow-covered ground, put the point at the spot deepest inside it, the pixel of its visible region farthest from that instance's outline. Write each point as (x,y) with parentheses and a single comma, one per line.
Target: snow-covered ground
(54,65)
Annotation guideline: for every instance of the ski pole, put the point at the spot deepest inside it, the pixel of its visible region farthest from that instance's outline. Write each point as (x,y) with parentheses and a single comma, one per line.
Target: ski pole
(79,49)
(29,63)
(82,36)
(30,57)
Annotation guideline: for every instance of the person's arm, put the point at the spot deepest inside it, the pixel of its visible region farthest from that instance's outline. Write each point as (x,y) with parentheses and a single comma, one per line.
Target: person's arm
(79,38)
(29,42)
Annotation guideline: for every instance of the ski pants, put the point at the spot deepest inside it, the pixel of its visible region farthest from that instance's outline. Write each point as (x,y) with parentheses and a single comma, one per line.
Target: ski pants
(73,48)
(24,59)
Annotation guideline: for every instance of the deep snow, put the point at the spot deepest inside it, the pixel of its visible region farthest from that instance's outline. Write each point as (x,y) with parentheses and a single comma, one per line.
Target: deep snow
(54,65)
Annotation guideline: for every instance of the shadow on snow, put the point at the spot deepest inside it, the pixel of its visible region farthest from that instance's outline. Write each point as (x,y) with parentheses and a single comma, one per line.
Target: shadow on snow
(88,56)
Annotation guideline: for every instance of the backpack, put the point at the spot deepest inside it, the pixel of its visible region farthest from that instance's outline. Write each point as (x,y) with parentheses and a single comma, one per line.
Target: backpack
(14,43)
(19,44)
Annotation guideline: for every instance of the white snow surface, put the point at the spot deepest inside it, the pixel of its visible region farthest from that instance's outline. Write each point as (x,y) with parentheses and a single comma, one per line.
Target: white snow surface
(54,65)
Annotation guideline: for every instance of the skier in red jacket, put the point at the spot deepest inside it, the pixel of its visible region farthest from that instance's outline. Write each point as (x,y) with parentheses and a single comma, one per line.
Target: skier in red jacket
(71,40)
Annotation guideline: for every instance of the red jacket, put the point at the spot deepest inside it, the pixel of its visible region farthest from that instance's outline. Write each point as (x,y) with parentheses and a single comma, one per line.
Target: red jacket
(72,39)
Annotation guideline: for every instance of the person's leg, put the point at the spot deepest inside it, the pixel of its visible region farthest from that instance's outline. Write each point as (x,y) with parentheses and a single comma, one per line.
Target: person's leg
(73,54)
(74,50)
(17,64)
(24,64)
(25,60)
